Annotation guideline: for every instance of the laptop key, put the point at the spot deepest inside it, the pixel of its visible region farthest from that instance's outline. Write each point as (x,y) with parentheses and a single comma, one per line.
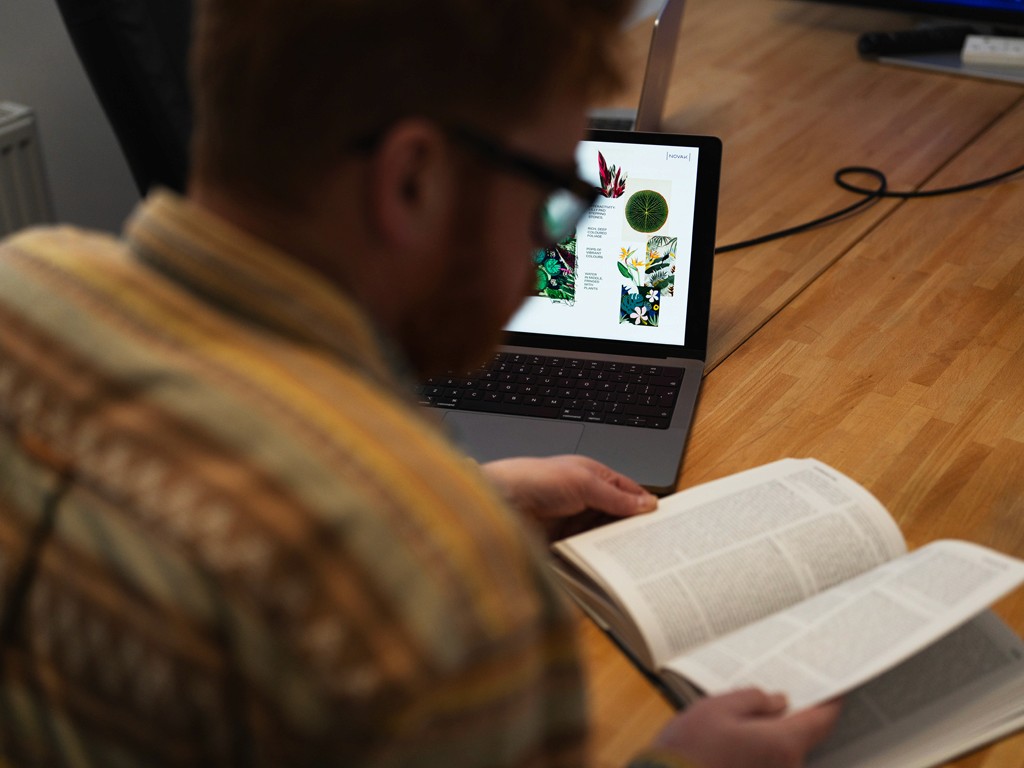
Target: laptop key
(511,409)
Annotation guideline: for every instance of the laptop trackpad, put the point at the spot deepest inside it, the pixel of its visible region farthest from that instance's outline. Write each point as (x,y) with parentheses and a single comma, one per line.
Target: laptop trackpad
(486,436)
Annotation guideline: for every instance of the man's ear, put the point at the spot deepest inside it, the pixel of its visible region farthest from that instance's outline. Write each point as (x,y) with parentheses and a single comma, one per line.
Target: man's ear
(412,186)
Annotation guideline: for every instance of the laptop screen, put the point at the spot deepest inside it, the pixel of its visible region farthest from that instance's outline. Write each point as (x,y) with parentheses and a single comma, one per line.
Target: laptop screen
(638,269)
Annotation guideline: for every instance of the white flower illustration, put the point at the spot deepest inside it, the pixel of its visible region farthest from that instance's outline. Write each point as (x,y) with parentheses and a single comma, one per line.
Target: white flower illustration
(639,315)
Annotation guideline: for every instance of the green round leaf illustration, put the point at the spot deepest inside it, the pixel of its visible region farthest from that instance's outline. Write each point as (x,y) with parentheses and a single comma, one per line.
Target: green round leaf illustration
(646,211)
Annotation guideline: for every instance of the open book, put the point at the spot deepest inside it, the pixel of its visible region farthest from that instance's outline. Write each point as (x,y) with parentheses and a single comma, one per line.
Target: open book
(792,577)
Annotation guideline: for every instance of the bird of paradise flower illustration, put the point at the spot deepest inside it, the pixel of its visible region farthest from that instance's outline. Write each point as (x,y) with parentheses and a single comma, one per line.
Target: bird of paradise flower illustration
(651,277)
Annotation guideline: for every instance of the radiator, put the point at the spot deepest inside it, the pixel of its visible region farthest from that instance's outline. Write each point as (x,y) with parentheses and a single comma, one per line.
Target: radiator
(24,193)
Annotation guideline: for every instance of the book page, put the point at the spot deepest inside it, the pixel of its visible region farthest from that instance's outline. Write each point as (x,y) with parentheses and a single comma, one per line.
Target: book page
(959,693)
(837,640)
(721,555)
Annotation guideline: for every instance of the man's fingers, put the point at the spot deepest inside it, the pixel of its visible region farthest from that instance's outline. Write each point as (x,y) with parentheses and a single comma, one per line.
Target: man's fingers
(810,726)
(605,495)
(607,491)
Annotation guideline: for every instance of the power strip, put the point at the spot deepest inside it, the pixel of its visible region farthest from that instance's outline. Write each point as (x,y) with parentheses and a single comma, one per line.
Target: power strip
(990,50)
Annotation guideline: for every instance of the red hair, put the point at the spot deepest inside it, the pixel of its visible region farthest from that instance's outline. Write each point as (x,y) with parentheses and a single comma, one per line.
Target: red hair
(283,87)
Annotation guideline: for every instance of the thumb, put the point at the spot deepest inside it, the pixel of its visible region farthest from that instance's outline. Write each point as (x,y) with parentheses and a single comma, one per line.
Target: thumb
(617,495)
(603,489)
(810,726)
(752,702)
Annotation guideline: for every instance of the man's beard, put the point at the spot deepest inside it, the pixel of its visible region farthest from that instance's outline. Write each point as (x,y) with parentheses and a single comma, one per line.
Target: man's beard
(462,330)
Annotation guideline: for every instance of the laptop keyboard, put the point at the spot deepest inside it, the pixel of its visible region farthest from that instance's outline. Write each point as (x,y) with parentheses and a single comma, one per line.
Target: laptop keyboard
(562,388)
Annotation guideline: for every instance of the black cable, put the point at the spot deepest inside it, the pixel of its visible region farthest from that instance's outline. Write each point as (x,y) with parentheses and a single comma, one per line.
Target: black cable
(870,196)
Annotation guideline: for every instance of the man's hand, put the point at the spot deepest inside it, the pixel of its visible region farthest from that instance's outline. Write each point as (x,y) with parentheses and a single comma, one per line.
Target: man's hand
(556,491)
(746,728)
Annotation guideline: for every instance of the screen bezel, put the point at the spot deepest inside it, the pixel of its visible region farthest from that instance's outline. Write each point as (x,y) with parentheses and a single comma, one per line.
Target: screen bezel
(705,218)
(958,10)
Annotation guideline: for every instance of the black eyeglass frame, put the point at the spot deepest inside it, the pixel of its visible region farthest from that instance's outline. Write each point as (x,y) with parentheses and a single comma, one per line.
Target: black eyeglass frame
(512,160)
(545,174)
(539,171)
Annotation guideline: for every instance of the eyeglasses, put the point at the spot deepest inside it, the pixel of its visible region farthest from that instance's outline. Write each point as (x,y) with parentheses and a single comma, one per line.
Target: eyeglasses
(570,197)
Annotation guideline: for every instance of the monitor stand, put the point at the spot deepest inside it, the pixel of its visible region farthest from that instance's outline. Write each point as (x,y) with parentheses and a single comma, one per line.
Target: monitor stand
(950,63)
(660,59)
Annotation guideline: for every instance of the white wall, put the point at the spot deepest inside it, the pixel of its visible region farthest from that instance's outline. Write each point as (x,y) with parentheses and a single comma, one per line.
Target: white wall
(89,179)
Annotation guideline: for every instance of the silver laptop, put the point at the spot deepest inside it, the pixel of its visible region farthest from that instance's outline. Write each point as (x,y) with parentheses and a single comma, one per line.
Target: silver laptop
(605,358)
(660,59)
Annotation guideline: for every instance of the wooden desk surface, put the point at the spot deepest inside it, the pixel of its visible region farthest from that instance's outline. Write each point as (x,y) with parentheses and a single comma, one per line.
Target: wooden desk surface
(890,345)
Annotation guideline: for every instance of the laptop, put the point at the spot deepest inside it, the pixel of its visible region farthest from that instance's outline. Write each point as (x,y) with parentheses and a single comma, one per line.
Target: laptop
(605,357)
(660,59)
